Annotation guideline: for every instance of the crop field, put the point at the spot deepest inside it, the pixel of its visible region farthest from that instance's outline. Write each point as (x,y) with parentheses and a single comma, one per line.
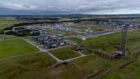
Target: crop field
(65,53)
(14,47)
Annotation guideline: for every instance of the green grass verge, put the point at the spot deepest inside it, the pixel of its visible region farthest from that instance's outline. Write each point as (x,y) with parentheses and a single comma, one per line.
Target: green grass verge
(65,53)
(15,47)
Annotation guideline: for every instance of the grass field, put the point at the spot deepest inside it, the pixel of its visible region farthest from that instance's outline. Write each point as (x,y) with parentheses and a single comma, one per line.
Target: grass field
(93,63)
(111,42)
(131,71)
(26,67)
(15,47)
(108,43)
(38,66)
(2,27)
(65,53)
(80,68)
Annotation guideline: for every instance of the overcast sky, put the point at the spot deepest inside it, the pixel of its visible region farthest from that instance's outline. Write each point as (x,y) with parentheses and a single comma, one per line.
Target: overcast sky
(38,7)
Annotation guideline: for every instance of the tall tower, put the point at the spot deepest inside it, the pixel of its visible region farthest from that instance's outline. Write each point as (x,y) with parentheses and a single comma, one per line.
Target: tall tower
(124,38)
(122,49)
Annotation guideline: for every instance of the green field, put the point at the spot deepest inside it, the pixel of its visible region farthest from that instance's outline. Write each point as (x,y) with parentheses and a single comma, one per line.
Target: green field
(15,47)
(93,63)
(111,42)
(39,66)
(65,53)
(80,68)
(26,67)
(131,71)
(2,27)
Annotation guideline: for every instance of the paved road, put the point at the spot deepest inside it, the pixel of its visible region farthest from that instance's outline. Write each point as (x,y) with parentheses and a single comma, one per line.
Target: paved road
(68,60)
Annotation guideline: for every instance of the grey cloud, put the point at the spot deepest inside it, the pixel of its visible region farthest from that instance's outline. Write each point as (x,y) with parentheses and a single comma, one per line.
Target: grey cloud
(71,6)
